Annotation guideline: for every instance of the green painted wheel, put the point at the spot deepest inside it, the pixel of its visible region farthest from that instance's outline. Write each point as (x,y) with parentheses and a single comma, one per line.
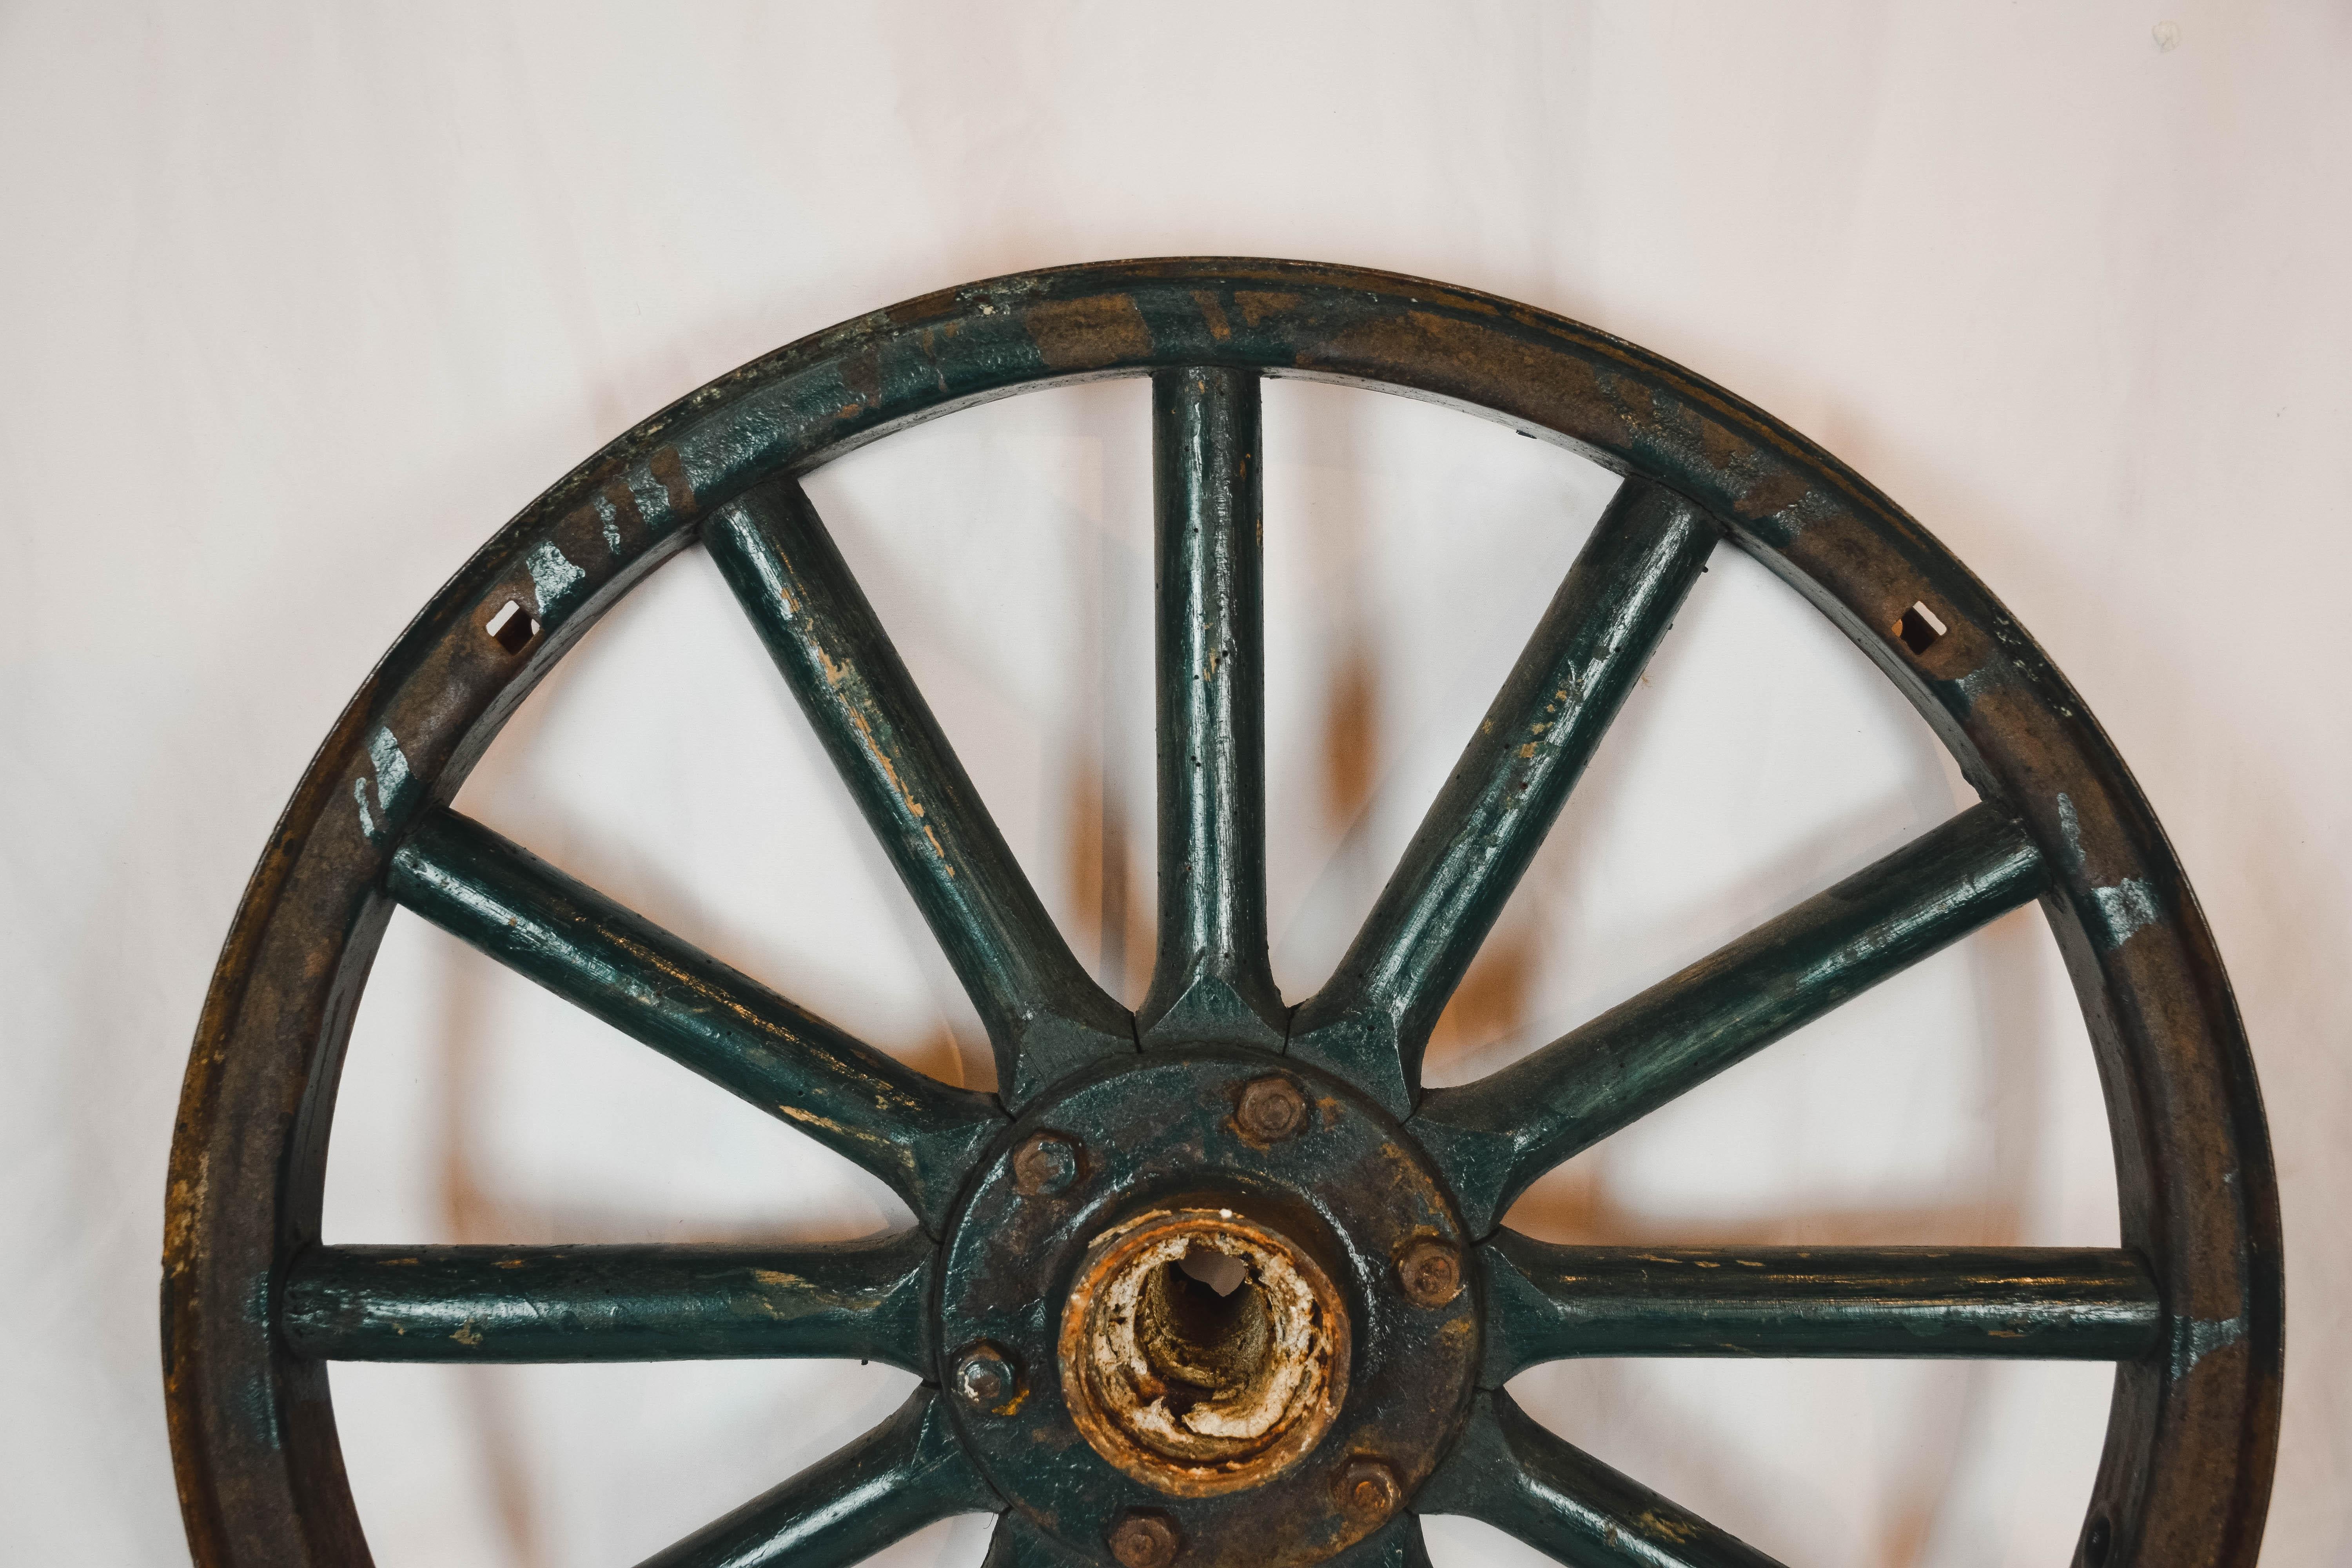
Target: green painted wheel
(1217,1282)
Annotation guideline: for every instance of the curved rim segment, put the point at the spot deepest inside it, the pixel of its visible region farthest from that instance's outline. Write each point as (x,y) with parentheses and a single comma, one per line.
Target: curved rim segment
(2185,1474)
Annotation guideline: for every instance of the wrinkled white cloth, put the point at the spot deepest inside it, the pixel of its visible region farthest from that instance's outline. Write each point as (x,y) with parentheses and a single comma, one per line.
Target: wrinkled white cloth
(299,302)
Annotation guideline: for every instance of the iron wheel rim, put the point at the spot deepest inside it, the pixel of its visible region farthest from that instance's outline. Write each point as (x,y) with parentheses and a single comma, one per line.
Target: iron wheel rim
(2192,1434)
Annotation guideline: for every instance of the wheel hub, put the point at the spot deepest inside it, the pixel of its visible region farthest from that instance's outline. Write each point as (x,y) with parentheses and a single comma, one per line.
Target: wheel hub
(1217,1328)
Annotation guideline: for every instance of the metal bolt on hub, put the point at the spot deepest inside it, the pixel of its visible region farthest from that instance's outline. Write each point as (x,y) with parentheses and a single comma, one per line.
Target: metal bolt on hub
(1045,1165)
(1271,1109)
(1368,1489)
(985,1376)
(1430,1273)
(1145,1540)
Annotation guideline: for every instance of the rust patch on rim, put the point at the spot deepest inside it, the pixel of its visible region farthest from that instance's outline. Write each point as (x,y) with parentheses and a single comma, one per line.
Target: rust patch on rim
(1202,1352)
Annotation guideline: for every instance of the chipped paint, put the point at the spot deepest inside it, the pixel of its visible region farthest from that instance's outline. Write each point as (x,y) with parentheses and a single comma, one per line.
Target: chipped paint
(552,577)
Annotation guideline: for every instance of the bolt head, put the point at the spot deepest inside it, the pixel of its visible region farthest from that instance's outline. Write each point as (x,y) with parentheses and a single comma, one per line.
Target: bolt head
(1271,1109)
(1045,1164)
(1368,1489)
(1430,1273)
(1145,1539)
(985,1376)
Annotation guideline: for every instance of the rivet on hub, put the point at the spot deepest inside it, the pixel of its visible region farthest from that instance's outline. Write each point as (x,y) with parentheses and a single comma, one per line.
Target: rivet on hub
(1430,1273)
(1368,1491)
(985,1376)
(1045,1164)
(1271,1109)
(1145,1539)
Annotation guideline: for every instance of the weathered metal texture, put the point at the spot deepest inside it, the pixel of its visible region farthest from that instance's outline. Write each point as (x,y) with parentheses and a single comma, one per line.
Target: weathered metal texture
(1372,1021)
(2186,1473)
(1495,1136)
(898,1478)
(1045,1014)
(1546,1302)
(912,1131)
(1193,1391)
(1211,980)
(1348,1189)
(1514,1475)
(865,1300)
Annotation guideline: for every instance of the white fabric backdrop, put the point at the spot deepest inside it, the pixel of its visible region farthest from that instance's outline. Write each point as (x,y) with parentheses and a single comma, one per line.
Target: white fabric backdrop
(299,302)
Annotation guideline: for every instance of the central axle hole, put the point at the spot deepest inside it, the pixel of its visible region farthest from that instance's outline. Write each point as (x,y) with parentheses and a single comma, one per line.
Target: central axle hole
(1201,1351)
(1205,1327)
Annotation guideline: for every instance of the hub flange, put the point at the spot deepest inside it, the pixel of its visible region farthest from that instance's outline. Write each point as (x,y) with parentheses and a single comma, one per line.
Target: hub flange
(1211,1326)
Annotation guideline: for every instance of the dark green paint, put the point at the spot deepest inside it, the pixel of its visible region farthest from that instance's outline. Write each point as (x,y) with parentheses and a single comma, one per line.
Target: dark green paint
(1045,1014)
(1349,1188)
(1495,1136)
(1546,1302)
(1372,1023)
(1212,981)
(888,1484)
(1509,1472)
(2185,1477)
(861,1300)
(914,1132)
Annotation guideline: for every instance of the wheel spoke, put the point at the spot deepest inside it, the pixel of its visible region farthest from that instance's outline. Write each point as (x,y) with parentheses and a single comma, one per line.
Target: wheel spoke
(901,1476)
(1212,980)
(1372,1021)
(858,1300)
(1045,1014)
(914,1132)
(1495,1136)
(1512,1474)
(1546,1302)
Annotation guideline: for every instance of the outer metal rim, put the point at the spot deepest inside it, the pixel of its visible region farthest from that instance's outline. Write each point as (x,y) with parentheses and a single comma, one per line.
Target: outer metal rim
(2185,1474)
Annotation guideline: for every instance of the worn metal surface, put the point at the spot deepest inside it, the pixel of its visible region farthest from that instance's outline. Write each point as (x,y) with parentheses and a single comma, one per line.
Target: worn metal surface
(914,1132)
(1495,1136)
(1514,1475)
(1372,1021)
(898,1478)
(1348,1192)
(2189,1305)
(1202,1377)
(865,1300)
(1209,980)
(1546,1302)
(1043,1012)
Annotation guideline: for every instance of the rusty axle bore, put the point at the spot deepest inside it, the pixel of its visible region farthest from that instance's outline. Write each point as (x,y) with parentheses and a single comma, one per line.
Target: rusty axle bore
(1202,1353)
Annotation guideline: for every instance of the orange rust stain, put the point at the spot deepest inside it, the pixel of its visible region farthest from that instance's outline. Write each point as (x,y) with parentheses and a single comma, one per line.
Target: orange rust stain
(1086,334)
(671,473)
(862,373)
(1257,304)
(623,503)
(1212,313)
(1773,492)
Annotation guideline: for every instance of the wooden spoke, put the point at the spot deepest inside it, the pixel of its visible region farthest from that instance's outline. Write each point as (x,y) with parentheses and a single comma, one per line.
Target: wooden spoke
(1495,1136)
(1514,1475)
(1212,981)
(1045,1014)
(1546,1302)
(1372,1021)
(914,1132)
(858,1300)
(901,1476)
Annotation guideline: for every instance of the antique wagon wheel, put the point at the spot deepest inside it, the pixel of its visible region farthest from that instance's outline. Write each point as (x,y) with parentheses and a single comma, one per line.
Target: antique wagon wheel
(1079,1378)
